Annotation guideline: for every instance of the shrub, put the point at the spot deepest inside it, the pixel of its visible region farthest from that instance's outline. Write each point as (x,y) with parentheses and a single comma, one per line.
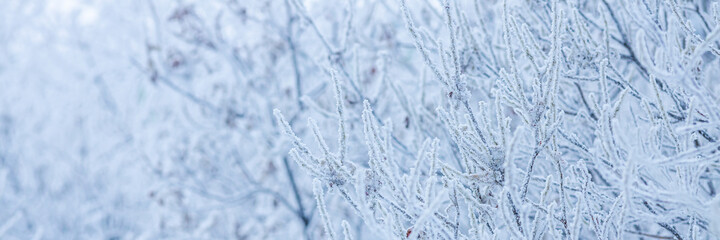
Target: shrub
(595,119)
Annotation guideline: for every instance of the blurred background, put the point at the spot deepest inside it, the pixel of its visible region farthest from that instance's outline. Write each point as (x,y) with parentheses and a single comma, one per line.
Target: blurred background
(152,119)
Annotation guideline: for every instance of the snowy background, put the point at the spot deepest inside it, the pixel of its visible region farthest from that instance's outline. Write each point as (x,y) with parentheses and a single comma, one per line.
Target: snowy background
(175,119)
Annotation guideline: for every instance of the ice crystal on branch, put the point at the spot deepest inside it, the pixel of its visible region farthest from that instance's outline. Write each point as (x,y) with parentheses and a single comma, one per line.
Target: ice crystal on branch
(360,119)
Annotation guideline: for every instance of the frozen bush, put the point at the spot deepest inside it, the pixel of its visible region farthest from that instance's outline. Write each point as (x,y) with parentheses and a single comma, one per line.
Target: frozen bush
(596,119)
(359,119)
